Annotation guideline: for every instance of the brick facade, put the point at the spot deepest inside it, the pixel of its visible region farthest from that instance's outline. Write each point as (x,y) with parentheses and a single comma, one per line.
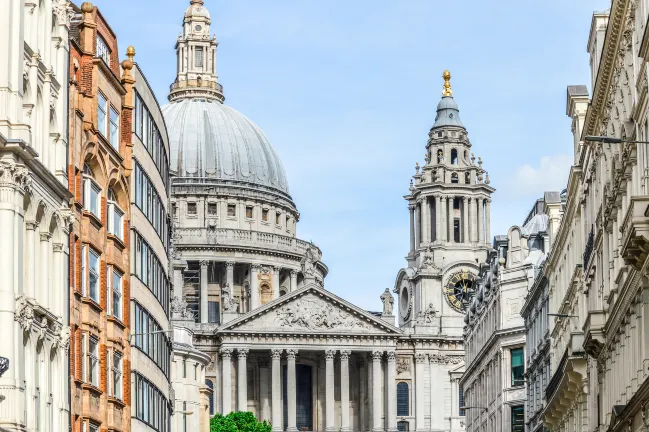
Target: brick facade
(111,168)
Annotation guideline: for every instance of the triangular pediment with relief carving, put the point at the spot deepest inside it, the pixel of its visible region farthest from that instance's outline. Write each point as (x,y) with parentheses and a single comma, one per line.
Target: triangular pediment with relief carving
(310,310)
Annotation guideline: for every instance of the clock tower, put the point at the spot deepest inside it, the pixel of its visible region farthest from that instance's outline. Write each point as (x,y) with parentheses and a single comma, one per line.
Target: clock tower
(449,202)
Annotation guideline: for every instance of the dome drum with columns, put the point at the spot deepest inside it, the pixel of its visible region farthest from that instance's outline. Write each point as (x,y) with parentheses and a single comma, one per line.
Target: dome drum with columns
(252,293)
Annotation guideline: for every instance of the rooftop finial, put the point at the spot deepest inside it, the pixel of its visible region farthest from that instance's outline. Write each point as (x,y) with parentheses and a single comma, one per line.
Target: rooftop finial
(447,84)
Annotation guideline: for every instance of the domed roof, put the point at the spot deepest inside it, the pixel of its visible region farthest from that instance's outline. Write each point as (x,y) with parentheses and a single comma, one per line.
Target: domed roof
(214,141)
(196,9)
(448,113)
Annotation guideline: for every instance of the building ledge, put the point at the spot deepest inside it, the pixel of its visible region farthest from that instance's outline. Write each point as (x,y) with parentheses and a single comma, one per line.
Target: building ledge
(594,338)
(635,232)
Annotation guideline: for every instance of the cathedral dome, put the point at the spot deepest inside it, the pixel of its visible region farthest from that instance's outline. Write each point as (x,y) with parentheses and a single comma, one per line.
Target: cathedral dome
(214,142)
(448,113)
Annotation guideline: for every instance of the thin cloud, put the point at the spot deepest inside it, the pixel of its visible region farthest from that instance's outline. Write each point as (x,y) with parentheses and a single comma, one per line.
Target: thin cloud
(550,174)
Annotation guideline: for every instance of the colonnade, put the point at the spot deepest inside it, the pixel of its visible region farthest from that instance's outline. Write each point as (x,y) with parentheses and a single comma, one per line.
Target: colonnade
(331,355)
(432,220)
(254,270)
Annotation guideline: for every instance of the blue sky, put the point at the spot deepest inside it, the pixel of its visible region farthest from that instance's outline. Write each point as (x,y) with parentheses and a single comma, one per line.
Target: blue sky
(346,91)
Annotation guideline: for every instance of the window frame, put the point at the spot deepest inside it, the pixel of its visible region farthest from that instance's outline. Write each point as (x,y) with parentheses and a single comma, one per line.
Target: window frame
(90,185)
(521,381)
(116,373)
(87,270)
(197,57)
(115,297)
(103,106)
(407,395)
(113,127)
(114,208)
(92,357)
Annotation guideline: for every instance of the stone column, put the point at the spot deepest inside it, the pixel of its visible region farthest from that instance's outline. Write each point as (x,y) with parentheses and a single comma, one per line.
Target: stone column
(488,221)
(480,220)
(377,425)
(418,224)
(264,399)
(254,286)
(420,414)
(242,379)
(344,390)
(362,395)
(444,221)
(438,217)
(293,280)
(436,421)
(276,382)
(229,274)
(30,282)
(411,208)
(226,380)
(465,220)
(291,391)
(425,220)
(391,384)
(330,404)
(276,272)
(204,291)
(473,236)
(44,269)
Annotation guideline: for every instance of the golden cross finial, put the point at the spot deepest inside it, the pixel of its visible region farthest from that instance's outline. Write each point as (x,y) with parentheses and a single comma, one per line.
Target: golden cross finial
(447,84)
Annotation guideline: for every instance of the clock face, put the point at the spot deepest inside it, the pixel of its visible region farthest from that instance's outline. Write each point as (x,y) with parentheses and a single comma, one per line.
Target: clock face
(198,28)
(459,290)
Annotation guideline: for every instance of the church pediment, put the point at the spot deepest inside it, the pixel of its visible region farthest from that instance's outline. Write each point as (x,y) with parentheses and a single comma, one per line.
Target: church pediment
(310,310)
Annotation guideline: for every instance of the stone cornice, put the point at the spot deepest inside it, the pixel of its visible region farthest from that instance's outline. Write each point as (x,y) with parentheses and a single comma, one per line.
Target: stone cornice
(606,67)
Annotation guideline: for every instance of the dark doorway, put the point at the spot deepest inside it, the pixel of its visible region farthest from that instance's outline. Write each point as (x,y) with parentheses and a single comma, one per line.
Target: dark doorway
(304,396)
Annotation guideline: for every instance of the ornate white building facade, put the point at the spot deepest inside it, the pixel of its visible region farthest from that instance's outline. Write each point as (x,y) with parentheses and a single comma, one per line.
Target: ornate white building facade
(252,293)
(34,214)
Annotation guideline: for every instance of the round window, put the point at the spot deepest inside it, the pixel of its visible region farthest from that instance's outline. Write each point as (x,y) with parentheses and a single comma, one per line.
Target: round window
(198,28)
(404,301)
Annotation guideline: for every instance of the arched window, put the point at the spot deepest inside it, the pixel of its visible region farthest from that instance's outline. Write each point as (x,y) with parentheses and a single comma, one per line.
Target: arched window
(454,156)
(454,178)
(115,216)
(91,193)
(266,293)
(403,399)
(210,384)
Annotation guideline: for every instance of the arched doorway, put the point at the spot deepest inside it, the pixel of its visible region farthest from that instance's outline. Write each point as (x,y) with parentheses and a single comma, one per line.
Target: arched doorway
(303,396)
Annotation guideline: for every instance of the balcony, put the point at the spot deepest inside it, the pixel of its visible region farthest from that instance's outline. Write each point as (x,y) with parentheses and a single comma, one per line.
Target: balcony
(635,232)
(243,239)
(196,83)
(594,333)
(196,88)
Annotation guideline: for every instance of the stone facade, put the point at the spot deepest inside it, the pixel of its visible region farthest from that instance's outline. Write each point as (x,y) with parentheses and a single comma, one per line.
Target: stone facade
(100,163)
(34,214)
(150,236)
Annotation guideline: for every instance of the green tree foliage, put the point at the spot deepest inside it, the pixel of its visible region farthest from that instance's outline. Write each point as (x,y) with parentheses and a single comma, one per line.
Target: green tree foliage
(238,422)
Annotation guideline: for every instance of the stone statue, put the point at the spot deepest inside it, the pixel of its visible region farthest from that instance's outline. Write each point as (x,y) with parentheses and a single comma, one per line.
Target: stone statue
(308,262)
(179,309)
(388,302)
(227,299)
(427,315)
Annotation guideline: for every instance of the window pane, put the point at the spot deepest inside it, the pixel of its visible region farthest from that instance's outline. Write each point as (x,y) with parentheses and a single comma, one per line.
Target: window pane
(101,113)
(117,295)
(114,128)
(199,58)
(403,403)
(93,276)
(518,419)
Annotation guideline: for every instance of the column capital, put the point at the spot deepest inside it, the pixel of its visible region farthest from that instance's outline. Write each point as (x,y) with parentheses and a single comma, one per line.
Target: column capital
(420,358)
(277,269)
(226,353)
(58,247)
(276,353)
(376,355)
(344,354)
(411,207)
(204,263)
(230,263)
(255,267)
(392,356)
(242,353)
(46,237)
(31,225)
(330,354)
(294,272)
(291,354)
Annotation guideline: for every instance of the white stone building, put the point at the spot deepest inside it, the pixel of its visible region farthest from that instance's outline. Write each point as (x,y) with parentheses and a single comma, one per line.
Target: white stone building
(252,293)
(34,214)
(494,380)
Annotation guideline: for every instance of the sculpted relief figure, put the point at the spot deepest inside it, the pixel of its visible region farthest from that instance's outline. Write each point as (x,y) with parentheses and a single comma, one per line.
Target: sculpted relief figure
(427,315)
(388,302)
(308,262)
(313,315)
(229,302)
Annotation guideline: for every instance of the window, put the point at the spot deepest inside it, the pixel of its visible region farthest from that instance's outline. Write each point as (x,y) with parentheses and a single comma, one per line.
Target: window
(454,157)
(456,230)
(403,426)
(195,371)
(150,271)
(191,208)
(115,217)
(518,418)
(102,112)
(102,50)
(115,294)
(454,178)
(213,312)
(461,401)
(149,202)
(232,210)
(184,368)
(151,406)
(199,57)
(249,212)
(210,384)
(278,218)
(403,399)
(211,208)
(264,215)
(90,265)
(114,128)
(116,375)
(467,178)
(91,193)
(151,339)
(145,128)
(518,367)
(91,351)
(92,427)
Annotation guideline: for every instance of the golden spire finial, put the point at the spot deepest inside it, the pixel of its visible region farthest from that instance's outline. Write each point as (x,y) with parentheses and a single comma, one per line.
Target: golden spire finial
(447,84)
(130,52)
